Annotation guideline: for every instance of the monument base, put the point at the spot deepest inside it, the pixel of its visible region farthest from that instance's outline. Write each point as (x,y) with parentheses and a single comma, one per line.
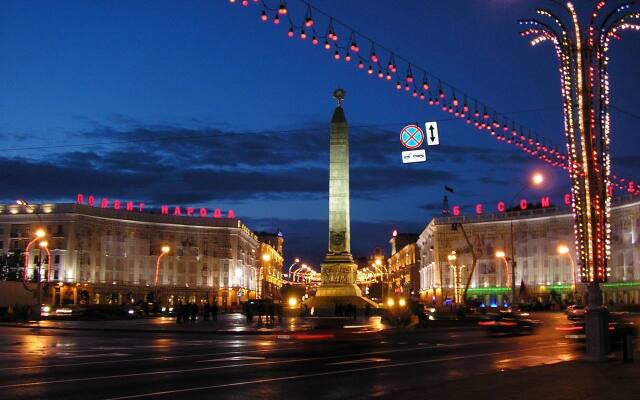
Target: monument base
(338,287)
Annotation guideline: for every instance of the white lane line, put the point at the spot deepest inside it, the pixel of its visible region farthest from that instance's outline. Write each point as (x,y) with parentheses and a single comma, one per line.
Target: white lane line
(177,371)
(163,358)
(97,355)
(238,358)
(361,361)
(317,374)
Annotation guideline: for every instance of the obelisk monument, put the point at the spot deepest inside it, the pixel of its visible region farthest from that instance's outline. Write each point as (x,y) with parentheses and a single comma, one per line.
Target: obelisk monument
(338,284)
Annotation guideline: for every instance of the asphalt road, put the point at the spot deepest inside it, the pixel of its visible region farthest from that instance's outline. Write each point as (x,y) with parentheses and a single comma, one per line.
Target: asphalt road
(55,364)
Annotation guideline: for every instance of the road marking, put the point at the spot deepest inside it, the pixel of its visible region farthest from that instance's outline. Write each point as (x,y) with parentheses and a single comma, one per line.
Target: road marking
(237,358)
(162,358)
(360,361)
(97,355)
(178,371)
(316,374)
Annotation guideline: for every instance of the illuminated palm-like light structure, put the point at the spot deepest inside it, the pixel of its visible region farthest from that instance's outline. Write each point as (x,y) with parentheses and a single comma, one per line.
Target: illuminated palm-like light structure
(584,57)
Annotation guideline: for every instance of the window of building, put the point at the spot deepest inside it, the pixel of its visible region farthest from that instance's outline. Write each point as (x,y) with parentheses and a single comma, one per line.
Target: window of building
(56,259)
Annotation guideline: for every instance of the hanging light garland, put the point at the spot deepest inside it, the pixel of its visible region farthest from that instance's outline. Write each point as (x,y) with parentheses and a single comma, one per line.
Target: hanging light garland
(348,47)
(584,84)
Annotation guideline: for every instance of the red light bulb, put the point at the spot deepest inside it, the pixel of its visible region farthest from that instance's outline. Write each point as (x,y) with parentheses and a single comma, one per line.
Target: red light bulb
(276,20)
(380,74)
(327,45)
(347,57)
(370,70)
(308,22)
(290,33)
(455,102)
(303,35)
(282,10)
(374,57)
(336,55)
(388,77)
(360,64)
(263,16)
(398,86)
(314,40)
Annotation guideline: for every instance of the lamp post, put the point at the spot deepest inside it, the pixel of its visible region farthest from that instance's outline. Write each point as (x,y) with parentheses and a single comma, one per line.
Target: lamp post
(564,250)
(537,180)
(266,259)
(295,262)
(452,259)
(163,251)
(39,235)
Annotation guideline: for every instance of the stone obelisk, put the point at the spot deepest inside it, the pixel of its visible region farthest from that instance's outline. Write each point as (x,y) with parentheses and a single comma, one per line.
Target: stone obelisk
(338,284)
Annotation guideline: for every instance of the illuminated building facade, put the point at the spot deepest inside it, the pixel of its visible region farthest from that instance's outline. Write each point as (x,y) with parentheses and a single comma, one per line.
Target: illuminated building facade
(271,262)
(403,265)
(110,256)
(538,235)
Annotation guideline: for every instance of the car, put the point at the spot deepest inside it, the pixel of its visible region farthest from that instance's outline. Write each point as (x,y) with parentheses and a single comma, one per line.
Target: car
(576,312)
(510,322)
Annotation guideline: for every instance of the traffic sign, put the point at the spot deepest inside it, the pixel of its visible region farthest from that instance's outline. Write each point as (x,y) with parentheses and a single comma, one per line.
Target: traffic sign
(411,137)
(431,128)
(414,156)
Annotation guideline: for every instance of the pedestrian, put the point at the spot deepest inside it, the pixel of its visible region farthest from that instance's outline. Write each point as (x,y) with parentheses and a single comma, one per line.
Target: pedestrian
(179,312)
(272,313)
(207,311)
(194,312)
(260,311)
(214,310)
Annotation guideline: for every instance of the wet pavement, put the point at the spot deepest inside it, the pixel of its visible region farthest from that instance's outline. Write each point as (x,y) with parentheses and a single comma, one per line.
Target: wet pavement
(42,363)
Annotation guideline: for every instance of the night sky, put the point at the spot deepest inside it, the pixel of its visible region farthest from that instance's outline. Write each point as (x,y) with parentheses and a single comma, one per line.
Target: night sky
(200,103)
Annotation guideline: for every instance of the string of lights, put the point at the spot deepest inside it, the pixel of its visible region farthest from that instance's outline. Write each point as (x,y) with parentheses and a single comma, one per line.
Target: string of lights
(346,44)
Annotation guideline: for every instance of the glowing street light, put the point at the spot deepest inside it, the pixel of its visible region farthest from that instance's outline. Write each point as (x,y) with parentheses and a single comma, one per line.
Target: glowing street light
(537,179)
(564,250)
(163,251)
(501,254)
(45,245)
(40,233)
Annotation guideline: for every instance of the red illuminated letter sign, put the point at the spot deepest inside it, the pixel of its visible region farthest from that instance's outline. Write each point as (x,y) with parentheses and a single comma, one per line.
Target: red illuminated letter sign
(164,210)
(523,204)
(545,202)
(631,187)
(91,201)
(203,212)
(479,209)
(189,211)
(177,211)
(217,213)
(117,204)
(129,205)
(502,207)
(231,214)
(80,198)
(141,207)
(456,211)
(104,203)
(567,199)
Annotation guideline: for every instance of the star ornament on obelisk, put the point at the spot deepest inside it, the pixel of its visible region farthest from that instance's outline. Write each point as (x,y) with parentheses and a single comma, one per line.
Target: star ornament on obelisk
(338,285)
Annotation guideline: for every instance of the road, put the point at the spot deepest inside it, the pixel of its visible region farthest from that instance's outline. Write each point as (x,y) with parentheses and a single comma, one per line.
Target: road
(55,364)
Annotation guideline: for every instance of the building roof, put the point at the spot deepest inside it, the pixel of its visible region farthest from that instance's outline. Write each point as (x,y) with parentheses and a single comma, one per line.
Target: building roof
(338,116)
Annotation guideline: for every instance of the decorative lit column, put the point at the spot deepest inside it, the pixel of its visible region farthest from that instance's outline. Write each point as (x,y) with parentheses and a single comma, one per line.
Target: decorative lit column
(584,80)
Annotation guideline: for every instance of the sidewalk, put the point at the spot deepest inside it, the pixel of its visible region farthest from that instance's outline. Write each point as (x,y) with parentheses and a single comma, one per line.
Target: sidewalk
(579,380)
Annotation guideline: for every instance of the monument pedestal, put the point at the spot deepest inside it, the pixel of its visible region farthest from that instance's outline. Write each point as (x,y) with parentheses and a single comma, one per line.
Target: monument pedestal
(338,286)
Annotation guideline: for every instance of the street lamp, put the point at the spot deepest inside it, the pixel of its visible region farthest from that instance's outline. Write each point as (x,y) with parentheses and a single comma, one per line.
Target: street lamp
(40,233)
(536,180)
(564,250)
(501,254)
(163,251)
(296,261)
